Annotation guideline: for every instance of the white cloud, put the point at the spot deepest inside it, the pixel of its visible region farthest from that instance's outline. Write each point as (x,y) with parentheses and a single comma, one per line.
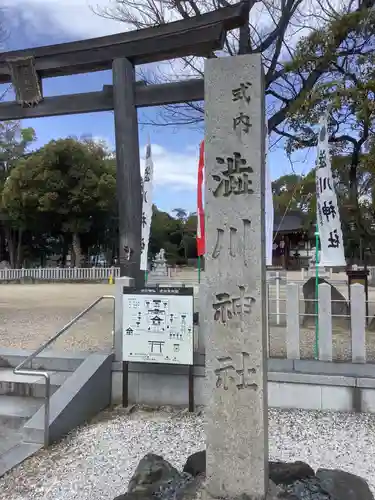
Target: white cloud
(173,170)
(72,18)
(77,19)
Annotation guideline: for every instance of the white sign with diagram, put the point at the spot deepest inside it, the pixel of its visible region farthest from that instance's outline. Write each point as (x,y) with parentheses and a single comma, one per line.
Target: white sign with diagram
(158,325)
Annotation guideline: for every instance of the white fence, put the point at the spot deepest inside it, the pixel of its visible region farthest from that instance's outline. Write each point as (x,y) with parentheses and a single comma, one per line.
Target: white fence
(180,274)
(277,286)
(174,274)
(60,274)
(355,317)
(329,274)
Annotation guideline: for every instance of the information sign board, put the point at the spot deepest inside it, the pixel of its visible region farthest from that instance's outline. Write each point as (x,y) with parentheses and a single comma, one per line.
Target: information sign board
(158,325)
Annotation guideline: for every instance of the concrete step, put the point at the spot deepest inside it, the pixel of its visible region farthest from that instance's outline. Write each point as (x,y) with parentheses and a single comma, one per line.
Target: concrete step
(16,455)
(28,386)
(16,410)
(82,394)
(31,435)
(48,360)
(9,437)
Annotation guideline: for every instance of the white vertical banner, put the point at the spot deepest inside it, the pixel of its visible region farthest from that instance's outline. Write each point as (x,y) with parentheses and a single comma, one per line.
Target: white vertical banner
(269,211)
(329,223)
(146,206)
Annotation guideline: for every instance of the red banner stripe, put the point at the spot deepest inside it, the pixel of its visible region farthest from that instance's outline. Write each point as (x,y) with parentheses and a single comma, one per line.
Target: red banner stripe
(200,210)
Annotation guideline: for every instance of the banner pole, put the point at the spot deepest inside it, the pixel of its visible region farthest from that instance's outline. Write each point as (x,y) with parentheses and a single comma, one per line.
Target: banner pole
(316,347)
(199,268)
(147,188)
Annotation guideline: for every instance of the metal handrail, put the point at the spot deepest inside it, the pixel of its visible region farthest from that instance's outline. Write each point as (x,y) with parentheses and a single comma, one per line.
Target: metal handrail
(19,370)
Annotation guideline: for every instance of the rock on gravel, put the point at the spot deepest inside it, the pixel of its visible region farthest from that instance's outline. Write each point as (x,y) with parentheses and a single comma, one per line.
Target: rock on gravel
(292,481)
(98,461)
(155,478)
(153,471)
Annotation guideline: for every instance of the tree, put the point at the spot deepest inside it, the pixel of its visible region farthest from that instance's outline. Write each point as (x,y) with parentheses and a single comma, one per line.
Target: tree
(181,213)
(177,235)
(356,242)
(286,192)
(66,186)
(346,92)
(163,234)
(298,193)
(189,242)
(293,192)
(187,225)
(272,31)
(14,144)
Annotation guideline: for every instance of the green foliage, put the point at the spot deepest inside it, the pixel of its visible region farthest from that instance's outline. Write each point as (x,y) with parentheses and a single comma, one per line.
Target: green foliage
(346,88)
(297,193)
(163,226)
(175,235)
(14,144)
(67,187)
(294,192)
(346,92)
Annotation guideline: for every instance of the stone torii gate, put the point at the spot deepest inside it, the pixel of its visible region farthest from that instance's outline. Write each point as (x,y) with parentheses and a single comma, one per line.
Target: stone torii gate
(198,36)
(232,295)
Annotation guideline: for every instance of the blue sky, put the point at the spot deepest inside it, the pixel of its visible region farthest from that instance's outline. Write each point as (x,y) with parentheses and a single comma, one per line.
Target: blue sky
(175,151)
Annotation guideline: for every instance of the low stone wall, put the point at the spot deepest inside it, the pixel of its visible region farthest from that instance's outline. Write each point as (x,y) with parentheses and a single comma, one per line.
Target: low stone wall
(306,384)
(312,385)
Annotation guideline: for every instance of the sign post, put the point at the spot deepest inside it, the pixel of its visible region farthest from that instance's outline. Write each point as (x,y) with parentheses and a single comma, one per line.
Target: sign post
(157,327)
(316,293)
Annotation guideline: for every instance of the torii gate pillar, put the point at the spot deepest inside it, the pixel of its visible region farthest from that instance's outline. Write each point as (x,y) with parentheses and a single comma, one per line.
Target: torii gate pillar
(128,170)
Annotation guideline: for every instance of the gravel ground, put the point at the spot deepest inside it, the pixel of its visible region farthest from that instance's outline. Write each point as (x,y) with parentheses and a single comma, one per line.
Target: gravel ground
(341,339)
(97,461)
(32,314)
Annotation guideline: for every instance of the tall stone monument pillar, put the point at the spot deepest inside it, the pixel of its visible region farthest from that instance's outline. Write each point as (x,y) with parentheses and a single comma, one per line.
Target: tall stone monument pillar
(233,295)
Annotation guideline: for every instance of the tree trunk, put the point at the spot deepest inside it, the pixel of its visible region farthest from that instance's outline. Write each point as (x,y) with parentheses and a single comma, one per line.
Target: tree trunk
(9,234)
(109,254)
(76,250)
(361,231)
(2,243)
(65,249)
(19,258)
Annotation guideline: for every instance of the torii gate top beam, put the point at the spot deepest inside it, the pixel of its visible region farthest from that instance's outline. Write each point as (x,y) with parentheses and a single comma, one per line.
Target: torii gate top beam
(198,35)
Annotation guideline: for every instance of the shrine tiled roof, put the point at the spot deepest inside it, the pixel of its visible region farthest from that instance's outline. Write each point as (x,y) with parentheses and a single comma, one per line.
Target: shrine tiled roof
(287,223)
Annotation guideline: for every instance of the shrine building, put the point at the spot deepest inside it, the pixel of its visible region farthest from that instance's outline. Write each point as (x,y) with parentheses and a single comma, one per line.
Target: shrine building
(293,245)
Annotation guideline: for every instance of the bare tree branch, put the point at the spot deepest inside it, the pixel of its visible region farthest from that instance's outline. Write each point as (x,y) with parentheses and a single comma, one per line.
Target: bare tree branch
(275,26)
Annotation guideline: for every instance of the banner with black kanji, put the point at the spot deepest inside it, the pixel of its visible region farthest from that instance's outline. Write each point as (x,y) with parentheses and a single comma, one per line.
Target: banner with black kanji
(328,214)
(147,188)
